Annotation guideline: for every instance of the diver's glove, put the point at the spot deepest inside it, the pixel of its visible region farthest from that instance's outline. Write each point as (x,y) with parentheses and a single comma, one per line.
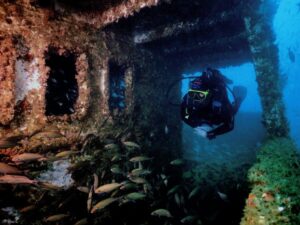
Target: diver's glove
(201,132)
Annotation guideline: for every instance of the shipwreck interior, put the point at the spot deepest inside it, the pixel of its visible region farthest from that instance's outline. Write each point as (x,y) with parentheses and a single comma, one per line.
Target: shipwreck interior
(87,131)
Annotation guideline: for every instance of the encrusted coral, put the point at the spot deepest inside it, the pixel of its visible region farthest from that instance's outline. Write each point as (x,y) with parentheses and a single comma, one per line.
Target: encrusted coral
(125,9)
(265,58)
(275,196)
(7,76)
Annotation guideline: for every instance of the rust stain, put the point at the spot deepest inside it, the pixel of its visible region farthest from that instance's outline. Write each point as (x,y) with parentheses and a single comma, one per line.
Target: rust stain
(268,196)
(251,200)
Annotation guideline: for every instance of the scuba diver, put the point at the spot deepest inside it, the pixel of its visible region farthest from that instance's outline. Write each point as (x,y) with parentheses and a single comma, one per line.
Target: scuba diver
(206,106)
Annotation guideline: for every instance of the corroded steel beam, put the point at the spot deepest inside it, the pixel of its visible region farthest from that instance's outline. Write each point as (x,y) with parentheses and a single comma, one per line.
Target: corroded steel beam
(113,14)
(190,63)
(265,59)
(172,30)
(225,42)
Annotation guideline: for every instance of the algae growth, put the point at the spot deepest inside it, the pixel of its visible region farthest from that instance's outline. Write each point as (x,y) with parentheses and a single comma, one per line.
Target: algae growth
(275,178)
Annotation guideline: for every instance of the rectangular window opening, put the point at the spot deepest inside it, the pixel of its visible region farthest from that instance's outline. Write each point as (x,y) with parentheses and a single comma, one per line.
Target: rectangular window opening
(42,3)
(62,87)
(117,87)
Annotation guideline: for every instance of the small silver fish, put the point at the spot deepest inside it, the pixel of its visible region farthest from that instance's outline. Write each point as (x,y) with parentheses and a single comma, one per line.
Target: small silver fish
(137,180)
(161,213)
(117,157)
(46,134)
(163,176)
(56,218)
(188,219)
(102,204)
(64,154)
(7,169)
(135,196)
(83,189)
(173,190)
(114,194)
(16,179)
(139,172)
(96,181)
(194,192)
(112,147)
(82,222)
(177,199)
(222,196)
(165,179)
(128,186)
(139,158)
(90,199)
(166,129)
(103,174)
(25,157)
(177,162)
(27,208)
(107,188)
(54,80)
(65,201)
(116,170)
(131,144)
(49,186)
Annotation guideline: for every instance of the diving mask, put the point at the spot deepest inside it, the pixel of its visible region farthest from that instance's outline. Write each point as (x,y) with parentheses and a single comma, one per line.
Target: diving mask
(198,95)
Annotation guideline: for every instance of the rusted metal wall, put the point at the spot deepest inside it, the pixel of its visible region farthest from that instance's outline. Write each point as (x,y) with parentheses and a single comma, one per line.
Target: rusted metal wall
(7,76)
(27,32)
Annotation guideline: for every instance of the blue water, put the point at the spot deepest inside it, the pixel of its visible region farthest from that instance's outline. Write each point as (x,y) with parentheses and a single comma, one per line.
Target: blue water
(286,26)
(235,147)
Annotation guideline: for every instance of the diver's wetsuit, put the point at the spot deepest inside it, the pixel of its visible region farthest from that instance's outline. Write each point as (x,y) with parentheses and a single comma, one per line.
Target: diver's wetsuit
(223,116)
